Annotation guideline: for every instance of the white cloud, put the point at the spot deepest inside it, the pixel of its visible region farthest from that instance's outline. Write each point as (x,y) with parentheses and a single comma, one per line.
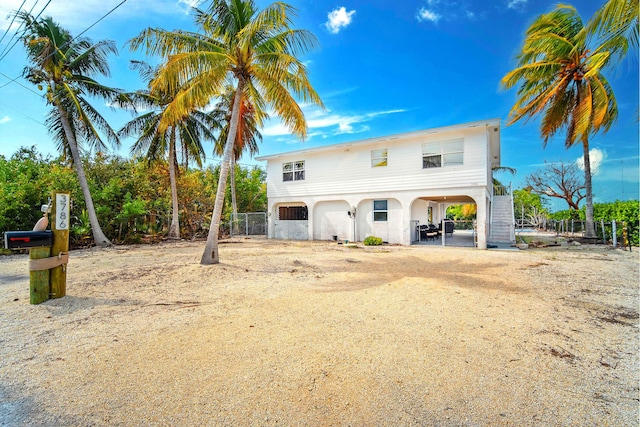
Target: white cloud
(5,119)
(425,14)
(338,19)
(324,123)
(596,157)
(515,4)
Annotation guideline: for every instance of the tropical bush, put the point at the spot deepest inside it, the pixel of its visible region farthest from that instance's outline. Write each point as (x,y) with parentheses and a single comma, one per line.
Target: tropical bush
(372,241)
(132,196)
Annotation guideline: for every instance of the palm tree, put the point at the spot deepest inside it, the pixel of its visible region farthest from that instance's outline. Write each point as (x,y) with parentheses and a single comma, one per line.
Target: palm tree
(559,73)
(616,24)
(246,136)
(258,50)
(65,65)
(157,143)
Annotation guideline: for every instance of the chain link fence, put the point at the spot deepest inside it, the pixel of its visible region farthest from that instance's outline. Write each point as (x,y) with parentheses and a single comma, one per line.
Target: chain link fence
(248,224)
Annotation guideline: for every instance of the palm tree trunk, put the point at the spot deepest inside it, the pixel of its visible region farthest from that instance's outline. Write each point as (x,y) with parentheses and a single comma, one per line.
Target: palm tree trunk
(174,229)
(234,203)
(590,230)
(211,255)
(98,236)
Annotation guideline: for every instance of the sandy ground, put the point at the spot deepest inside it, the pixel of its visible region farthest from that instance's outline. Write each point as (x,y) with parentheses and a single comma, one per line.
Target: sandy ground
(318,334)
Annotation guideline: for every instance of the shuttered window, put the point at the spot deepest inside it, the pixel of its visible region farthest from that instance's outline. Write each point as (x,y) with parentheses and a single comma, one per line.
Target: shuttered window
(292,213)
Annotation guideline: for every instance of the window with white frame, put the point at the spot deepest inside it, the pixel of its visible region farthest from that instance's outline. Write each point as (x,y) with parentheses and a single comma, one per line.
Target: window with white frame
(380,210)
(378,158)
(293,171)
(443,153)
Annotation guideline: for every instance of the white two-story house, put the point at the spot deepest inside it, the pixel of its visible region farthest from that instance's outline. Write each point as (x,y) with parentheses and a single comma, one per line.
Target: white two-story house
(383,186)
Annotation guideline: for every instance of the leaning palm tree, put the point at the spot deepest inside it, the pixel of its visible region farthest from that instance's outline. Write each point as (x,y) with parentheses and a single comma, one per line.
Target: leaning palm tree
(157,144)
(65,66)
(247,135)
(258,50)
(560,79)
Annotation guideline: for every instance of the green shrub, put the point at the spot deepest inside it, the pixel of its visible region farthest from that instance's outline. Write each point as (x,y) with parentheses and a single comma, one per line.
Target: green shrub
(372,241)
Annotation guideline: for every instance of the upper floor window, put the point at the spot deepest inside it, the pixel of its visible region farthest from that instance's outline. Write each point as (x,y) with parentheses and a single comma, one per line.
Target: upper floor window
(378,158)
(445,153)
(380,210)
(293,171)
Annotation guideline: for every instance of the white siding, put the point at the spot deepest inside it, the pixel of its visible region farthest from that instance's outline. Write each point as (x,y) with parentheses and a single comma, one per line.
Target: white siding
(331,219)
(348,170)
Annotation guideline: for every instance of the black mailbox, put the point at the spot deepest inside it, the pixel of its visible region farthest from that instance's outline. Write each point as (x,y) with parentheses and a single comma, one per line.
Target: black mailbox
(27,239)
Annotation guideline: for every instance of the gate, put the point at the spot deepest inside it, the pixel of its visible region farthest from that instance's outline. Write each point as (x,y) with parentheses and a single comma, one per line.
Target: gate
(249,224)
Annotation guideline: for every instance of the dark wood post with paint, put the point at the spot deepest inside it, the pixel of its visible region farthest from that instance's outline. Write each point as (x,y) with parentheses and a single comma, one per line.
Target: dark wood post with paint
(60,215)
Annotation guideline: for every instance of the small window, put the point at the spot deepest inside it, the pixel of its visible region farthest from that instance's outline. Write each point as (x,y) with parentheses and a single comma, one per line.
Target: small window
(445,153)
(292,213)
(293,171)
(380,210)
(378,158)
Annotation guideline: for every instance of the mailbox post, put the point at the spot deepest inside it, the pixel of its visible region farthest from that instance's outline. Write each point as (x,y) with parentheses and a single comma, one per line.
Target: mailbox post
(60,228)
(39,244)
(48,251)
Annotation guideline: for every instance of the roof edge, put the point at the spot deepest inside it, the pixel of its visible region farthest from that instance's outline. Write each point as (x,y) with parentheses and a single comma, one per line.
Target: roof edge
(487,122)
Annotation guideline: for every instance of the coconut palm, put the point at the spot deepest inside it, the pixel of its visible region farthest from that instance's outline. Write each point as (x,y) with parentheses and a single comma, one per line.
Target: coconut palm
(560,80)
(616,24)
(246,136)
(65,66)
(258,50)
(156,143)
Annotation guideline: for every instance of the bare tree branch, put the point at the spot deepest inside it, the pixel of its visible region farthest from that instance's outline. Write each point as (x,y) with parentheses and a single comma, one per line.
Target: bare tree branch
(560,180)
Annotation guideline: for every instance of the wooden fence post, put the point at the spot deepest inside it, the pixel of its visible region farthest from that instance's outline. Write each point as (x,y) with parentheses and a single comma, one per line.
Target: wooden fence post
(60,227)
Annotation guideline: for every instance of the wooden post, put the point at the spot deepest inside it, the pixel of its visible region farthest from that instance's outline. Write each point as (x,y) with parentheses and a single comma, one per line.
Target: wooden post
(60,226)
(39,280)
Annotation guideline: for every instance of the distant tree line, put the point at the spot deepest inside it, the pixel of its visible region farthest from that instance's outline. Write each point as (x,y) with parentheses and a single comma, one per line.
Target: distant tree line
(132,196)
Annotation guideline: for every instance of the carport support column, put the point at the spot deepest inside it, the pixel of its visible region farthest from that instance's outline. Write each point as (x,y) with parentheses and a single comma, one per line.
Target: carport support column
(482,220)
(309,220)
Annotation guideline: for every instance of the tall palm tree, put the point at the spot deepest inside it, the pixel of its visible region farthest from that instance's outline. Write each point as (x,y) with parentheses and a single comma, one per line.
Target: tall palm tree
(258,50)
(560,79)
(157,143)
(65,66)
(246,136)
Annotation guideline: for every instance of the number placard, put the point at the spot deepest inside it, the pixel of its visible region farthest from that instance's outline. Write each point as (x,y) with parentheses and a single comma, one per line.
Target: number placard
(62,211)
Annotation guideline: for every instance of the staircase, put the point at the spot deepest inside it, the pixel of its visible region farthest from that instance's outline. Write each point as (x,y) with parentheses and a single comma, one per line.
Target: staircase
(502,218)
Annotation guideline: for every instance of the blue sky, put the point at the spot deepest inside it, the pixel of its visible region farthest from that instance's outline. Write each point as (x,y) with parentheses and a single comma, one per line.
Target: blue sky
(382,67)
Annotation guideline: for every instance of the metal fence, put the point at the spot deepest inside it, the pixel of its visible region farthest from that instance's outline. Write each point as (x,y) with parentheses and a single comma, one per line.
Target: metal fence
(249,224)
(608,232)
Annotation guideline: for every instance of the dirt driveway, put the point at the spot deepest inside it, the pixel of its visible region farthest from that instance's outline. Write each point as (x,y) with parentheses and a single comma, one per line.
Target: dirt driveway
(318,334)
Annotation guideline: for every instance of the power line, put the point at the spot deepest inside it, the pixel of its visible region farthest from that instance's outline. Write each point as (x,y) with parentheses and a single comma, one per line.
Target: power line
(65,44)
(12,21)
(5,52)
(14,81)
(20,112)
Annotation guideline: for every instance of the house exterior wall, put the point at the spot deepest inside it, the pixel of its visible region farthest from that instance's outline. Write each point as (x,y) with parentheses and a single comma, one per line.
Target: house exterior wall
(340,178)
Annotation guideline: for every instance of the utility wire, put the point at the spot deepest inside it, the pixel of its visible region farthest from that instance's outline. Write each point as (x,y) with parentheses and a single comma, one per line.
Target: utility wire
(5,52)
(20,112)
(12,21)
(65,44)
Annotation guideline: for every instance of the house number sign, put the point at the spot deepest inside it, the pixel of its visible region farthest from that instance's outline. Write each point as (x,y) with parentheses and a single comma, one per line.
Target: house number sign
(62,211)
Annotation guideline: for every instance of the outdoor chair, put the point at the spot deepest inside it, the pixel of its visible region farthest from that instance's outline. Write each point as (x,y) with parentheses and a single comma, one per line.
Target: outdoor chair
(448,227)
